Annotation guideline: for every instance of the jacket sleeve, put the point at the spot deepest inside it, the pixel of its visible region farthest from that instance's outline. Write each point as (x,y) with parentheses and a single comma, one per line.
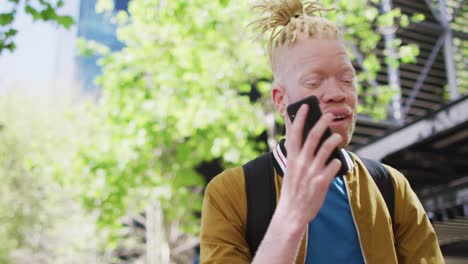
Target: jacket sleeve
(415,238)
(223,220)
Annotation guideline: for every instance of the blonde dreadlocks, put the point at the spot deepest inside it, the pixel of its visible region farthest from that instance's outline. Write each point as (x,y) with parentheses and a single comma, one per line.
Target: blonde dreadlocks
(286,19)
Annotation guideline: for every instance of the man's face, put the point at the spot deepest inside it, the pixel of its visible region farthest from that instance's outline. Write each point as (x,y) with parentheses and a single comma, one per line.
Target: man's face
(319,67)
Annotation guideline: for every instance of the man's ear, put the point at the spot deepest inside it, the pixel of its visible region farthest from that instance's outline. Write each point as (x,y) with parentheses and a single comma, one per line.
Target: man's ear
(278,95)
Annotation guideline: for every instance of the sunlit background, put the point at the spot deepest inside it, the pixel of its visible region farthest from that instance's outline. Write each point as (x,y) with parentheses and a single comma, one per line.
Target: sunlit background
(111,128)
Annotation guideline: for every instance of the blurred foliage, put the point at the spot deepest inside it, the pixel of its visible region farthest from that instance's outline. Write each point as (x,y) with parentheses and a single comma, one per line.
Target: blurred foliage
(461,64)
(461,53)
(40,215)
(171,101)
(45,10)
(176,96)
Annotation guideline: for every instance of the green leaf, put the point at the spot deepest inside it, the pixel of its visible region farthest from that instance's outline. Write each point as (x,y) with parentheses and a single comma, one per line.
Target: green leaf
(10,33)
(404,21)
(223,3)
(122,17)
(90,48)
(6,18)
(418,17)
(372,64)
(371,13)
(11,46)
(48,14)
(33,12)
(66,21)
(244,88)
(386,20)
(409,53)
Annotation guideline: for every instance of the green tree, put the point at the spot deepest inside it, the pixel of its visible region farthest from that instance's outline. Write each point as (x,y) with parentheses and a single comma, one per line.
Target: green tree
(175,96)
(45,10)
(41,219)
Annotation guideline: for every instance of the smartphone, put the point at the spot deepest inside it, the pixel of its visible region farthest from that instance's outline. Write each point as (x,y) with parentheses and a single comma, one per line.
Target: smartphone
(313,115)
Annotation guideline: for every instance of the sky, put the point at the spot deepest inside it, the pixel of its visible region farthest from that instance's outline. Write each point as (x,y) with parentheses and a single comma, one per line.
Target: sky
(44,54)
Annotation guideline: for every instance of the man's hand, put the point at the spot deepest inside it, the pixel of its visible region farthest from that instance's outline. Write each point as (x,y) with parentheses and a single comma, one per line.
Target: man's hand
(305,185)
(308,175)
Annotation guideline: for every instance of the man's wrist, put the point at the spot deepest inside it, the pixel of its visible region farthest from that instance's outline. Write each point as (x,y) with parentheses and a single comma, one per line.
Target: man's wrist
(289,226)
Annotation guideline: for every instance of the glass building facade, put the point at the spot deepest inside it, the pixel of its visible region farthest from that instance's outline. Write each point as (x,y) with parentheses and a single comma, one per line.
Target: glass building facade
(96,27)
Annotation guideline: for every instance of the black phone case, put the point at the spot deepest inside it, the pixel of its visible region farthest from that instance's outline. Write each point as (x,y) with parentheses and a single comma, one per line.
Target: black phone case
(313,116)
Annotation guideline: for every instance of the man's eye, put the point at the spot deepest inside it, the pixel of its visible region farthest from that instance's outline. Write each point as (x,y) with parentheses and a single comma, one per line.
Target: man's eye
(312,83)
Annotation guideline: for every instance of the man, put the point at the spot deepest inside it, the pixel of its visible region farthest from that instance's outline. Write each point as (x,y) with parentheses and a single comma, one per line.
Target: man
(320,217)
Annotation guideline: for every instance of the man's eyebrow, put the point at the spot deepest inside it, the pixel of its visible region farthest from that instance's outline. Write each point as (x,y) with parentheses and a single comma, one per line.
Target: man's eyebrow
(313,71)
(347,68)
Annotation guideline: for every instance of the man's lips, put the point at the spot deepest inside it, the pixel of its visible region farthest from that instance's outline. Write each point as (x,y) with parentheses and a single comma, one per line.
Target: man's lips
(340,115)
(340,121)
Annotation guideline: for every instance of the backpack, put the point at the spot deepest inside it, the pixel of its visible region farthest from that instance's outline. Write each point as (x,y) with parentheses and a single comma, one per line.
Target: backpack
(261,194)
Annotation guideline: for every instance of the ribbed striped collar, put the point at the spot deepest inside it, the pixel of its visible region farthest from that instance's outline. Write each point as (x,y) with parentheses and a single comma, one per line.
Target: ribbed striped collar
(280,154)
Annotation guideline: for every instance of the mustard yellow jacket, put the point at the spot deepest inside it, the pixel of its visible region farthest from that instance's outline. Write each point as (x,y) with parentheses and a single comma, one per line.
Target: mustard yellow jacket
(224,217)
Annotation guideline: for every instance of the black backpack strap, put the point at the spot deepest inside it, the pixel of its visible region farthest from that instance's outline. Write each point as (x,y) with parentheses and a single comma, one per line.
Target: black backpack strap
(383,181)
(261,198)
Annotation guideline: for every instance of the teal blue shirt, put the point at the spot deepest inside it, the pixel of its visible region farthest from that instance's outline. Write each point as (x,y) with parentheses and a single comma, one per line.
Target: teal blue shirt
(332,236)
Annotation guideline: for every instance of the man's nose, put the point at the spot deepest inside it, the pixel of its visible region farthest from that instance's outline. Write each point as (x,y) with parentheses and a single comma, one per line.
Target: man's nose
(333,92)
